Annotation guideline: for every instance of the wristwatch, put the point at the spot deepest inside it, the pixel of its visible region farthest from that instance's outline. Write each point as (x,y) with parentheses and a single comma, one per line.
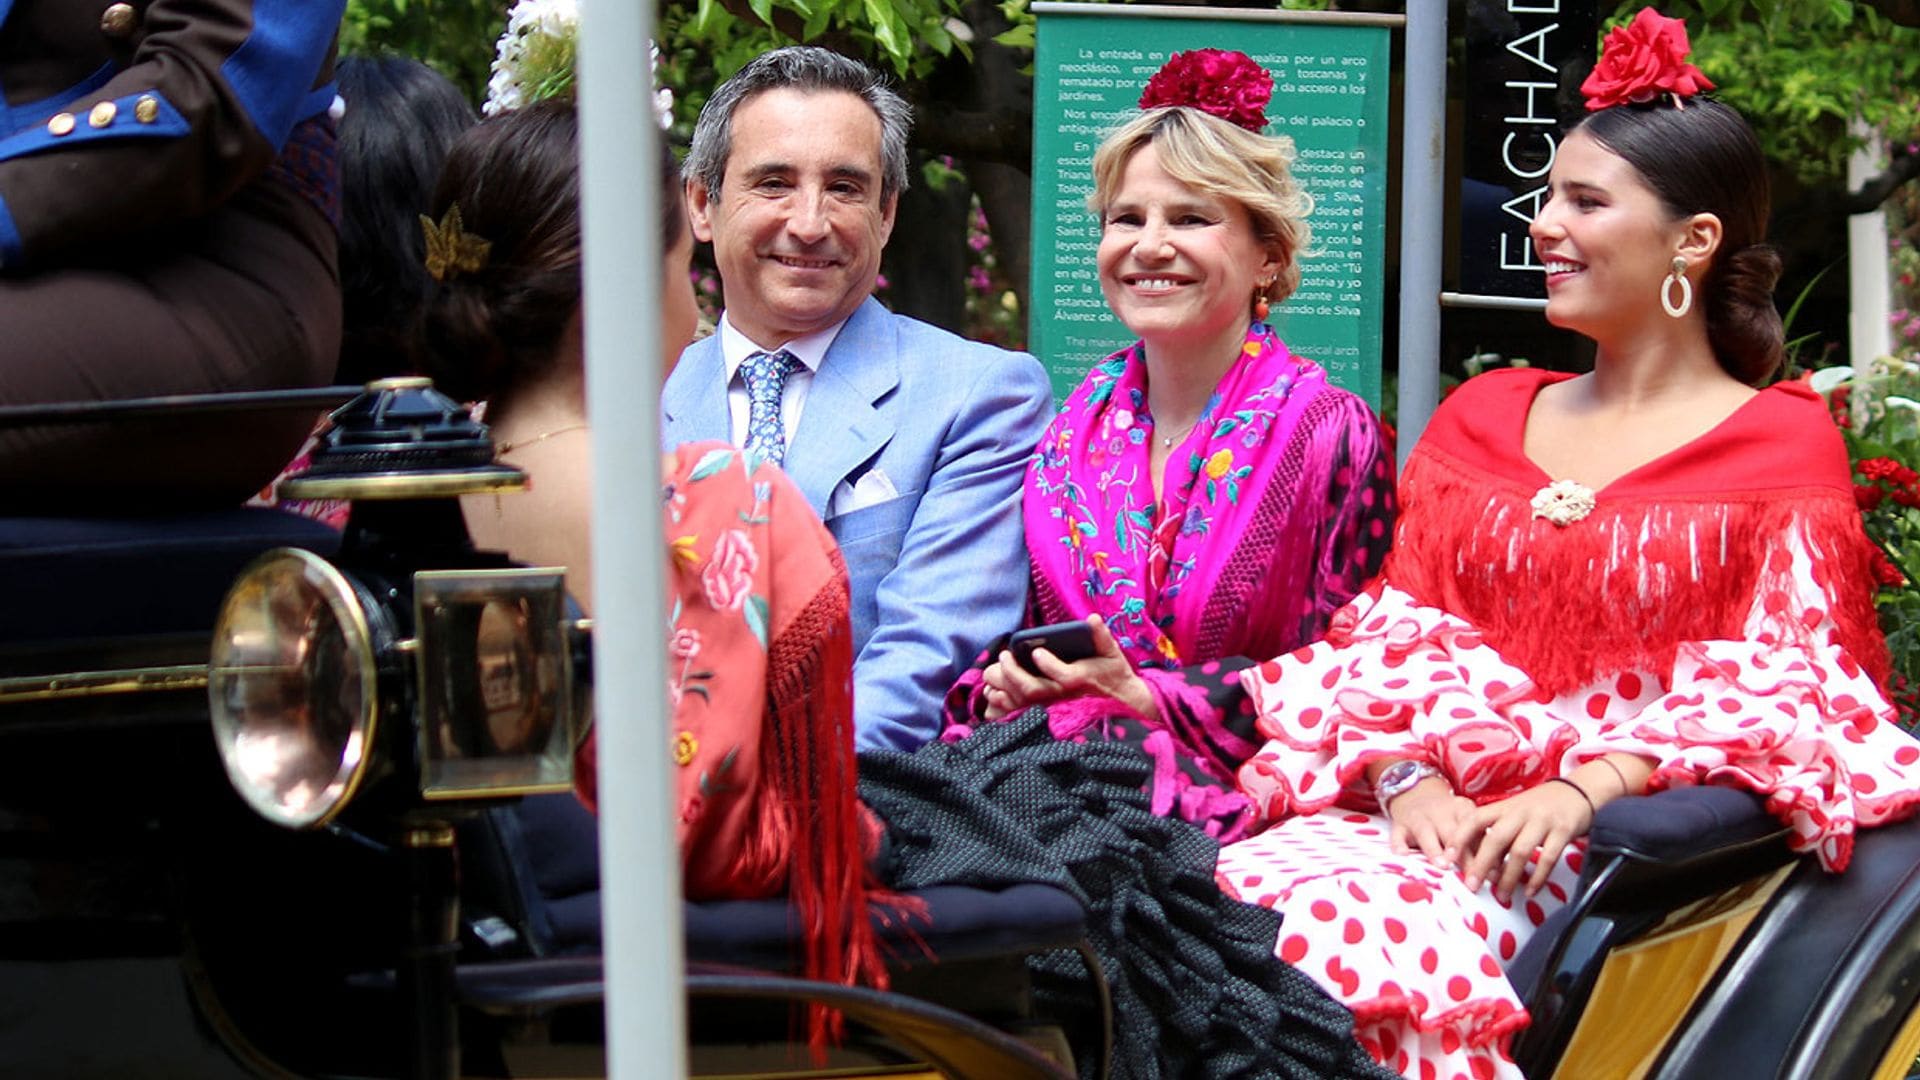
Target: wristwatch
(1400,778)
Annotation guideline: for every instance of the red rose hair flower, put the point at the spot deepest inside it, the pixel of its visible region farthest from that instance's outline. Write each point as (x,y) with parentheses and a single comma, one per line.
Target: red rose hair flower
(1223,83)
(1642,60)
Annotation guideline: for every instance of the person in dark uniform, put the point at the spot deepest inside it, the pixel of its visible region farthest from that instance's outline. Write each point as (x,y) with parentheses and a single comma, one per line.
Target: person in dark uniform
(168,204)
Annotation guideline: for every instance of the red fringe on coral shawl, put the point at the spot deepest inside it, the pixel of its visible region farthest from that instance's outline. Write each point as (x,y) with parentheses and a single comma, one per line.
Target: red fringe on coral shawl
(1676,551)
(819,830)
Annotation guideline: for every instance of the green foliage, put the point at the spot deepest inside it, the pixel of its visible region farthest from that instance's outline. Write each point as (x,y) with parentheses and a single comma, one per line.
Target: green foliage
(1801,69)
(1879,413)
(910,36)
(455,37)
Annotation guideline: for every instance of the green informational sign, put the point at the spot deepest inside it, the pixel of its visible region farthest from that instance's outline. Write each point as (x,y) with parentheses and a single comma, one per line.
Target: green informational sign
(1330,95)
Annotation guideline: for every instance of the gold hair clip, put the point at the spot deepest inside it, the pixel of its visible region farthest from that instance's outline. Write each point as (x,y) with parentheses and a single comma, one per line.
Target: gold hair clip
(451,249)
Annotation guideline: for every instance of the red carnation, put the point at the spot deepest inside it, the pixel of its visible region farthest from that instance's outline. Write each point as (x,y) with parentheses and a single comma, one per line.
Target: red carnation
(1885,572)
(1887,470)
(1867,496)
(1223,83)
(1642,60)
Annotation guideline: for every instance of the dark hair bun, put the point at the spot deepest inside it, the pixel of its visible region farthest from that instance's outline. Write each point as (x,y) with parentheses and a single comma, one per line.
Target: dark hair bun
(465,359)
(491,330)
(1741,319)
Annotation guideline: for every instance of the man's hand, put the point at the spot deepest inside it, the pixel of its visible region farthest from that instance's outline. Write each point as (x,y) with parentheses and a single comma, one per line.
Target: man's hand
(1108,673)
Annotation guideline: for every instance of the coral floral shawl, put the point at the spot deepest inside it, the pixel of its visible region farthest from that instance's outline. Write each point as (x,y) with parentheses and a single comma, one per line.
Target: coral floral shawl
(760,667)
(1674,551)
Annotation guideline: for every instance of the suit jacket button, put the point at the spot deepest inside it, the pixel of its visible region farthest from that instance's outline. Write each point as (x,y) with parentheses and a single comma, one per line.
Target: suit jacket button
(147,109)
(102,114)
(60,124)
(118,20)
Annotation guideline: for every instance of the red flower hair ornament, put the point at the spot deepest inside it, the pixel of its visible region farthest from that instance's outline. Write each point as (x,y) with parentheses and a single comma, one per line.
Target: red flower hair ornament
(1220,82)
(1642,60)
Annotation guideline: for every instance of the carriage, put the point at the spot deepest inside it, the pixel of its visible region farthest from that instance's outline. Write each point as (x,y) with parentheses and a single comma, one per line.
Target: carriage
(267,793)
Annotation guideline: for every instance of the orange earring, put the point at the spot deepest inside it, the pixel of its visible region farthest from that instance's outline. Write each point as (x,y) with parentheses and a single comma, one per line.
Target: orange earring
(1261,307)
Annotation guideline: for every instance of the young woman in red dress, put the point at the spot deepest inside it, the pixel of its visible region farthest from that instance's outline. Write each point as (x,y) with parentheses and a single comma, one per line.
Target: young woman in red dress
(1647,576)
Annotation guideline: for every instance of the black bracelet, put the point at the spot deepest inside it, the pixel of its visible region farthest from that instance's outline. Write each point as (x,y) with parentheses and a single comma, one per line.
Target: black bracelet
(1592,811)
(1625,788)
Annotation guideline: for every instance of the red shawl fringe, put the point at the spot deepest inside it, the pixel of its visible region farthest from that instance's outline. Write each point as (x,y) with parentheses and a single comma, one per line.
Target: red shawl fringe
(815,827)
(1621,589)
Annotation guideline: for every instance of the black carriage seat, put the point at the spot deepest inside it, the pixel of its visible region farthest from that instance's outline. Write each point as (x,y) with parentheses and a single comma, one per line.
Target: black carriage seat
(71,582)
(965,957)
(1647,856)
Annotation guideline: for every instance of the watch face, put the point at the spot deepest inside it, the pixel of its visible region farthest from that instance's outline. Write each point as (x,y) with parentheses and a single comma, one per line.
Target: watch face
(1398,772)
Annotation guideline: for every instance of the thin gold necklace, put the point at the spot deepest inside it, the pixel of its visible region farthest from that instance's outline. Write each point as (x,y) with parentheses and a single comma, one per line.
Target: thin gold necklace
(1168,440)
(506,448)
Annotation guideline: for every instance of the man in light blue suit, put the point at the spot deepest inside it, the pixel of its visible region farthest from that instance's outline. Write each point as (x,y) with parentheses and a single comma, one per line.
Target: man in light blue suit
(908,441)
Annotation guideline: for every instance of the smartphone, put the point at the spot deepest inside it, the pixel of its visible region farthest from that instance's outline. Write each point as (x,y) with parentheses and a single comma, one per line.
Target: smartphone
(1069,641)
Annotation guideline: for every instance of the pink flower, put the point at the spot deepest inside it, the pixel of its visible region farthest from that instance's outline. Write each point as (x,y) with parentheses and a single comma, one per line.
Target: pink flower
(686,643)
(1642,60)
(1219,82)
(729,571)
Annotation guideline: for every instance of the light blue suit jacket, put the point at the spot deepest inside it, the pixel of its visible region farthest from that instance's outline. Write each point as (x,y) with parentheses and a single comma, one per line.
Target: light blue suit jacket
(940,570)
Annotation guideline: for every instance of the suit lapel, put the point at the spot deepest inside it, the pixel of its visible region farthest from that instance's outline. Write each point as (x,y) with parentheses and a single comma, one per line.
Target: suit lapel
(693,404)
(842,427)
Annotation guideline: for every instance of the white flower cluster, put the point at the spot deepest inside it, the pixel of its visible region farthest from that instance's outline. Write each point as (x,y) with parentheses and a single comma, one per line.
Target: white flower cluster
(527,21)
(662,97)
(538,31)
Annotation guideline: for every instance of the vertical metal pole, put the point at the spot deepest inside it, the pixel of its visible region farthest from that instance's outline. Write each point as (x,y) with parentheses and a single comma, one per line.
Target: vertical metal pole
(425,976)
(1423,201)
(639,857)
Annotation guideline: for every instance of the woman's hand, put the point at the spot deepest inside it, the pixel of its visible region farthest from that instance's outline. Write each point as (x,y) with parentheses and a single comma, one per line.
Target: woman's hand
(1107,673)
(1426,817)
(1500,837)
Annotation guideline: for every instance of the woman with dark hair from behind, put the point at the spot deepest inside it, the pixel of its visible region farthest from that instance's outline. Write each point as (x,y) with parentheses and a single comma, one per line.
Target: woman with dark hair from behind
(1645,577)
(401,118)
(761,668)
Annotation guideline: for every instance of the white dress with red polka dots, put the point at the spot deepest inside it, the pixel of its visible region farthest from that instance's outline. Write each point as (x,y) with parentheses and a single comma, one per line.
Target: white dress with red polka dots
(1418,958)
(1708,611)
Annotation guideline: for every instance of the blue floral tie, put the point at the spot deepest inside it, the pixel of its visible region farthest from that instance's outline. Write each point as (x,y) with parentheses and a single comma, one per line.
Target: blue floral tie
(766,377)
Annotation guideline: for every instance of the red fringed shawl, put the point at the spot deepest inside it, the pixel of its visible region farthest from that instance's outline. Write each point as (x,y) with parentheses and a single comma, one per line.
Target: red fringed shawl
(1679,549)
(760,675)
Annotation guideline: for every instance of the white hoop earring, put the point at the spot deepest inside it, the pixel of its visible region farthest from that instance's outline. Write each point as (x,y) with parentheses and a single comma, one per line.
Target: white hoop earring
(1679,276)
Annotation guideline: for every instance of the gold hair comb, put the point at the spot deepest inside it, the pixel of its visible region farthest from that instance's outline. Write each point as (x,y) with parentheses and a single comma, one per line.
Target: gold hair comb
(451,250)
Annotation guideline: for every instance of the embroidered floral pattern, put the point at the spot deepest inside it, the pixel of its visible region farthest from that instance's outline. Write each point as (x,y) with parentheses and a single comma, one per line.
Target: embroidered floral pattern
(1122,544)
(729,571)
(1563,502)
(685,747)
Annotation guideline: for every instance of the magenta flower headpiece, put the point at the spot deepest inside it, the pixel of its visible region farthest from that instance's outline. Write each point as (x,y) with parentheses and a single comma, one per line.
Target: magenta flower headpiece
(1642,60)
(1223,83)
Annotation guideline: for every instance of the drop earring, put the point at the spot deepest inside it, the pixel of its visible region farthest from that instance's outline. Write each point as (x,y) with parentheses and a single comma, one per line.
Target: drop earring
(1677,277)
(1261,307)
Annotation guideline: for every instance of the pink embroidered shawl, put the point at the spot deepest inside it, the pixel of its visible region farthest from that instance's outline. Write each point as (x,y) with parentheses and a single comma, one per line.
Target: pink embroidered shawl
(1275,510)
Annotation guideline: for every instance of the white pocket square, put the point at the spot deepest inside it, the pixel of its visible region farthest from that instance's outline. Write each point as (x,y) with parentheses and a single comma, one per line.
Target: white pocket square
(872,489)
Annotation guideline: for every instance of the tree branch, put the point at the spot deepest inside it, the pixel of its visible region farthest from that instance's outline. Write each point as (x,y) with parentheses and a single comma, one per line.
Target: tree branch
(1905,167)
(1002,135)
(1904,12)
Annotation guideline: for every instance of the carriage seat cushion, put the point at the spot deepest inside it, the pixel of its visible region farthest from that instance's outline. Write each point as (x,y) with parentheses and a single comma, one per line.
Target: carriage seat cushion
(1682,823)
(561,854)
(78,577)
(961,923)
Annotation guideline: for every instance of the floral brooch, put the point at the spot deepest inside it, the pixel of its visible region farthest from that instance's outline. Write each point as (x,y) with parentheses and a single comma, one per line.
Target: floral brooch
(1563,502)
